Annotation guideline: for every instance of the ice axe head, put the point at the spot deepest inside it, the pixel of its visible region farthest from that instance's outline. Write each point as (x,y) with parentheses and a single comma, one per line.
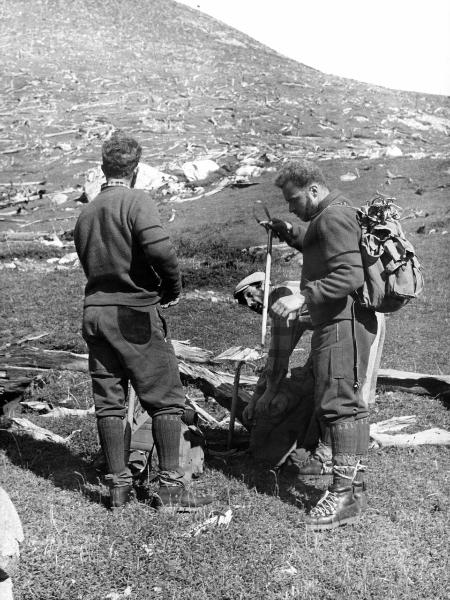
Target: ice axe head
(263,222)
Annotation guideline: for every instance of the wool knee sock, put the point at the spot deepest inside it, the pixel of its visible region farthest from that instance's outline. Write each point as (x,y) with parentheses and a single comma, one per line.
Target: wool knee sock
(166,434)
(343,441)
(362,437)
(362,447)
(110,431)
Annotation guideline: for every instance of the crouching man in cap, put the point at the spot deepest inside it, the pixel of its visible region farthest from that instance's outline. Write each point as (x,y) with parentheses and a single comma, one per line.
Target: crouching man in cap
(132,273)
(343,331)
(280,413)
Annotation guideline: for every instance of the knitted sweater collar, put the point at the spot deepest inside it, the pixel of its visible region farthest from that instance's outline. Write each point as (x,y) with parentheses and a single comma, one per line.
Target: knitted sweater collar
(334,197)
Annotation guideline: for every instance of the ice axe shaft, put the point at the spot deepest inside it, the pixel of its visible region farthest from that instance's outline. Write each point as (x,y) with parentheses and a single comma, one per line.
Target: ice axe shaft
(266,288)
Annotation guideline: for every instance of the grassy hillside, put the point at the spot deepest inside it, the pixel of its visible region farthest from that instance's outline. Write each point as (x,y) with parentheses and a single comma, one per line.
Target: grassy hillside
(184,84)
(188,88)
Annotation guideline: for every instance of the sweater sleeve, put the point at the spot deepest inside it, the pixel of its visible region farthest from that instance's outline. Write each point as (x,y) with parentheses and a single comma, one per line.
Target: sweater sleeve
(296,237)
(156,245)
(339,236)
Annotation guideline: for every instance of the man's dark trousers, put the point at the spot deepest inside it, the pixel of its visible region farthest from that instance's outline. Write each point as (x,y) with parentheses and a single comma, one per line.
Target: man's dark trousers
(131,344)
(340,352)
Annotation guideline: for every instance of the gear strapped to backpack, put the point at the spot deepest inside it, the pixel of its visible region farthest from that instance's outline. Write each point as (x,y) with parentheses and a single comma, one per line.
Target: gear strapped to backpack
(392,273)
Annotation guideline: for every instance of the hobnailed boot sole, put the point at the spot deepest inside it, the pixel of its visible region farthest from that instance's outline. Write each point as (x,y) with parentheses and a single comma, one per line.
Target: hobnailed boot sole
(322,526)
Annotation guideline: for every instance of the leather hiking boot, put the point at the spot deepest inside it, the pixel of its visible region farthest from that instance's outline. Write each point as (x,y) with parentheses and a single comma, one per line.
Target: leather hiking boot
(119,495)
(180,499)
(174,495)
(336,507)
(315,466)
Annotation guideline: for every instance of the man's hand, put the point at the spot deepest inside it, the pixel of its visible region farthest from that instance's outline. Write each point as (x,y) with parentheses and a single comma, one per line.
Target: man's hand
(284,307)
(281,229)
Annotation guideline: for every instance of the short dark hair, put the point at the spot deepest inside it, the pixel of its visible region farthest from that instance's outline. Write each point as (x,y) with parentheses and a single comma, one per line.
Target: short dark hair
(120,155)
(301,173)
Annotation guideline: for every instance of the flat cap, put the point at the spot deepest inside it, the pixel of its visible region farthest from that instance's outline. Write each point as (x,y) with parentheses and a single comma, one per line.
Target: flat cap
(252,279)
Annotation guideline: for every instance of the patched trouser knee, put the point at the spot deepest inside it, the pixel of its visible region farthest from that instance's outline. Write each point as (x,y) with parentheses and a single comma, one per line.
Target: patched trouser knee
(131,343)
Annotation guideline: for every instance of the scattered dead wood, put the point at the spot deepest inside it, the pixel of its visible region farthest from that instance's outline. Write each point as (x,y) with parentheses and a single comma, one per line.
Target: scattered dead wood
(46,410)
(24,426)
(23,236)
(201,411)
(215,384)
(195,367)
(184,350)
(381,433)
(42,360)
(27,338)
(414,382)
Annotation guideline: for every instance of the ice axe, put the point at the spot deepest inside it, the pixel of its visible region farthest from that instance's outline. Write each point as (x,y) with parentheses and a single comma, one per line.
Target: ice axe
(265,310)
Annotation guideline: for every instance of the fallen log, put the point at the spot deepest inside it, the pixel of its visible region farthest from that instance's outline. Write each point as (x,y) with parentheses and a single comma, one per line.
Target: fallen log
(24,426)
(432,384)
(43,360)
(433,437)
(217,385)
(212,382)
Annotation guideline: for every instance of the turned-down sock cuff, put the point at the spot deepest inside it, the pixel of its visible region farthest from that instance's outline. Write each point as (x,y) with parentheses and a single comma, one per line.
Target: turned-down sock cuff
(343,439)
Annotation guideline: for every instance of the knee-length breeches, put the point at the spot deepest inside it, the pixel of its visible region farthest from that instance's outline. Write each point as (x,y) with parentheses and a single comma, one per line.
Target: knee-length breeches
(335,348)
(131,344)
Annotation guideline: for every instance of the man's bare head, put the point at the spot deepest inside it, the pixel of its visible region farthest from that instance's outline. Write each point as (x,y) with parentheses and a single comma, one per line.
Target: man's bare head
(301,173)
(120,156)
(303,186)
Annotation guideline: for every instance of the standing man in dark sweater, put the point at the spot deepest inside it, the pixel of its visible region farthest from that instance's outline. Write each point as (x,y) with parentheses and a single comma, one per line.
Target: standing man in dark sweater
(343,331)
(132,272)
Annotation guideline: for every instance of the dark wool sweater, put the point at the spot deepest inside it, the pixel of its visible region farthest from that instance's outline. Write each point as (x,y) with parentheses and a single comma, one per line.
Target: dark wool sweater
(126,255)
(332,266)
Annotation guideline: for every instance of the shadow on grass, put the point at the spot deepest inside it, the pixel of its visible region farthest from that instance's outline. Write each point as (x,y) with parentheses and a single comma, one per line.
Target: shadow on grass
(55,463)
(69,470)
(281,482)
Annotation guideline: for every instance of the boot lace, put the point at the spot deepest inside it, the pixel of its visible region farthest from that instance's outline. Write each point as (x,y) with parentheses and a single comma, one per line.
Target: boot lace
(326,506)
(169,480)
(349,472)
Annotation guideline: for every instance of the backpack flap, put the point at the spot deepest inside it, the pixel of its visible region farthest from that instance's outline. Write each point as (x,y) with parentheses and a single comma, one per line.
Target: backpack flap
(372,293)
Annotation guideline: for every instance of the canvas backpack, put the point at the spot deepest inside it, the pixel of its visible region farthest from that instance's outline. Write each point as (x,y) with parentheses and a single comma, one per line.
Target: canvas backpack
(392,273)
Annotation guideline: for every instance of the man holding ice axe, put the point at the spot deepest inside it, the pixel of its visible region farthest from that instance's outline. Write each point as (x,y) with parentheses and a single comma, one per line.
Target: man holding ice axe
(343,331)
(132,272)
